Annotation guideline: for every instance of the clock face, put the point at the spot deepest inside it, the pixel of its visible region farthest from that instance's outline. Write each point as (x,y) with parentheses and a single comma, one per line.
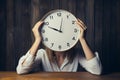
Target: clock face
(59,31)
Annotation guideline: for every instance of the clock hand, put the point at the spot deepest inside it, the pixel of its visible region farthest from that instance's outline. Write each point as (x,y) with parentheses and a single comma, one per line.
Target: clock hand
(55,29)
(61,24)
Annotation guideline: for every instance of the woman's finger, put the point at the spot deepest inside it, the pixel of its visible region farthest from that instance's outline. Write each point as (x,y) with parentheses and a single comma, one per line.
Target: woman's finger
(80,25)
(39,24)
(83,25)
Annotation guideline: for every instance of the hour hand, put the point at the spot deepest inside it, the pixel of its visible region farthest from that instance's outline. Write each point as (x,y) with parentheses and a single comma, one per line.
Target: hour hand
(55,29)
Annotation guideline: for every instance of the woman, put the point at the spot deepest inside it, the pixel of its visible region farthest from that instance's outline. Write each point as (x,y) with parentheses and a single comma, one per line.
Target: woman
(68,61)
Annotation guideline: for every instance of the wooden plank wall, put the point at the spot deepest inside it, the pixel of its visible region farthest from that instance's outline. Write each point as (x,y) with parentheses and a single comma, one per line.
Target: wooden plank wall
(17,17)
(2,34)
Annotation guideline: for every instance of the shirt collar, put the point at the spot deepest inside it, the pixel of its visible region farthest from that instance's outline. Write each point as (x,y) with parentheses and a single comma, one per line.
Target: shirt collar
(65,62)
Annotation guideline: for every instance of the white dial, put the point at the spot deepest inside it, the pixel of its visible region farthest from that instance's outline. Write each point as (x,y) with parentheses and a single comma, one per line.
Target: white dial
(59,31)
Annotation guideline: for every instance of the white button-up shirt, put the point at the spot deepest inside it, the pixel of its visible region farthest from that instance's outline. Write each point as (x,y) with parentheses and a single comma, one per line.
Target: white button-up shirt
(41,62)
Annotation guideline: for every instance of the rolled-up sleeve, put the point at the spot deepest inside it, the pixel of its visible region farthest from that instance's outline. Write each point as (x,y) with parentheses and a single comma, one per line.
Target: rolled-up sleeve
(93,65)
(27,67)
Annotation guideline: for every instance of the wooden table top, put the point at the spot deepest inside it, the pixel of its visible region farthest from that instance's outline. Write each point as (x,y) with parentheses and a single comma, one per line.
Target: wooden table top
(58,76)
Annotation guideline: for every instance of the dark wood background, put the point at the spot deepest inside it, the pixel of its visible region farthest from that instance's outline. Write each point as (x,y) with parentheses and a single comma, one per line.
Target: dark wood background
(102,18)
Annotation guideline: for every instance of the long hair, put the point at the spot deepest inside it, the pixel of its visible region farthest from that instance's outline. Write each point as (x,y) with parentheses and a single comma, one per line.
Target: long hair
(70,54)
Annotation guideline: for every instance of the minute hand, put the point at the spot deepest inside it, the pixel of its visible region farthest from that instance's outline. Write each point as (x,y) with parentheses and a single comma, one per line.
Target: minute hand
(61,24)
(55,29)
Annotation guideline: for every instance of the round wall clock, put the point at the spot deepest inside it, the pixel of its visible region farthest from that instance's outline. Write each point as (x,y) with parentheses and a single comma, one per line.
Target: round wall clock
(59,31)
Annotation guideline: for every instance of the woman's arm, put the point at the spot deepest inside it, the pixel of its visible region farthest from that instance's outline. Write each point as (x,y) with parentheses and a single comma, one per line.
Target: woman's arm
(91,62)
(25,64)
(33,50)
(37,37)
(87,51)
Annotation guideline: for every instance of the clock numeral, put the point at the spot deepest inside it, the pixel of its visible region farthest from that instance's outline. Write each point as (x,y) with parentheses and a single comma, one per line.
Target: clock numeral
(43,31)
(46,23)
(59,14)
(68,16)
(68,44)
(73,22)
(73,38)
(51,17)
(46,39)
(52,45)
(75,30)
(59,47)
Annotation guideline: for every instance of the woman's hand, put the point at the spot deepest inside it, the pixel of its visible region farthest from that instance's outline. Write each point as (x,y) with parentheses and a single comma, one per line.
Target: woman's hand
(82,28)
(36,30)
(35,46)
